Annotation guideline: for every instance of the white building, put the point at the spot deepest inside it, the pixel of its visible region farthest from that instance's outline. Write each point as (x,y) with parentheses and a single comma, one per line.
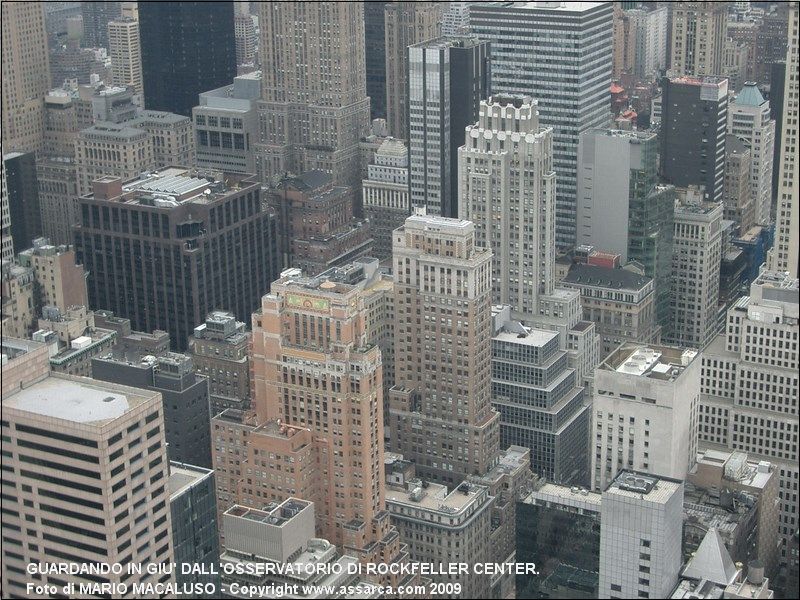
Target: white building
(645,412)
(787,235)
(641,536)
(749,385)
(226,125)
(748,119)
(560,53)
(507,187)
(385,194)
(651,33)
(696,258)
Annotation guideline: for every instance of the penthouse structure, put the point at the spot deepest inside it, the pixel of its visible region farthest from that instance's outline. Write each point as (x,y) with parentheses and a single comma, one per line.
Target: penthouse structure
(645,412)
(159,249)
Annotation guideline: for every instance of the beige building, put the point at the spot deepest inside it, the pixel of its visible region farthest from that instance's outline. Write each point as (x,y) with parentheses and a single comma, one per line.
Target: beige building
(76,452)
(314,105)
(62,282)
(406,23)
(620,302)
(5,222)
(506,163)
(125,54)
(441,416)
(314,366)
(696,258)
(220,352)
(19,308)
(172,137)
(750,386)
(26,75)
(112,149)
(737,199)
(787,235)
(698,38)
(57,180)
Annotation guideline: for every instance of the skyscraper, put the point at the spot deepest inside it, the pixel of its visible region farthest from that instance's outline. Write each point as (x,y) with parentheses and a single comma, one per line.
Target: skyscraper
(697,38)
(559,53)
(314,105)
(187,48)
(750,385)
(749,120)
(787,238)
(96,16)
(316,366)
(5,221)
(448,78)
(441,416)
(694,122)
(406,24)
(621,207)
(26,76)
(125,52)
(375,57)
(183,246)
(507,188)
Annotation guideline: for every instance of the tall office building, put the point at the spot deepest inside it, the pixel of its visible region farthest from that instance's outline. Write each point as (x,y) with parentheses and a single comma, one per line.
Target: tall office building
(245,35)
(125,53)
(749,120)
(316,365)
(640,536)
(5,221)
(26,76)
(87,463)
(385,195)
(441,416)
(187,48)
(787,238)
(694,122)
(540,400)
(448,78)
(737,199)
(314,105)
(697,37)
(750,385)
(507,188)
(110,149)
(560,53)
(406,23)
(650,33)
(179,246)
(645,412)
(96,16)
(696,259)
(375,56)
(22,196)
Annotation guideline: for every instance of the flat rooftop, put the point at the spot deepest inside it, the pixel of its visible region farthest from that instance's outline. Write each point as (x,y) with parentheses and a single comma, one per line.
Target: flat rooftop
(631,484)
(553,492)
(435,497)
(566,7)
(533,337)
(655,362)
(77,399)
(183,476)
(275,514)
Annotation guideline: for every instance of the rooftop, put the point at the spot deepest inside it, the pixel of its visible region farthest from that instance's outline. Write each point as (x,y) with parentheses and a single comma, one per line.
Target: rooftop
(531,336)
(183,476)
(435,497)
(565,7)
(560,493)
(605,277)
(750,95)
(277,514)
(656,362)
(77,399)
(632,484)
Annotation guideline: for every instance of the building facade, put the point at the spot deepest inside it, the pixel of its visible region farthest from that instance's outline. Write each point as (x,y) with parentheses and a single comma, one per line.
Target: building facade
(125,52)
(698,33)
(568,74)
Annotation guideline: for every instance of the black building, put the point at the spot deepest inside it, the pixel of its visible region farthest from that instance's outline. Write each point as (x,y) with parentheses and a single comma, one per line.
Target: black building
(23,199)
(558,529)
(184,395)
(777,86)
(168,248)
(96,16)
(694,122)
(375,57)
(187,48)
